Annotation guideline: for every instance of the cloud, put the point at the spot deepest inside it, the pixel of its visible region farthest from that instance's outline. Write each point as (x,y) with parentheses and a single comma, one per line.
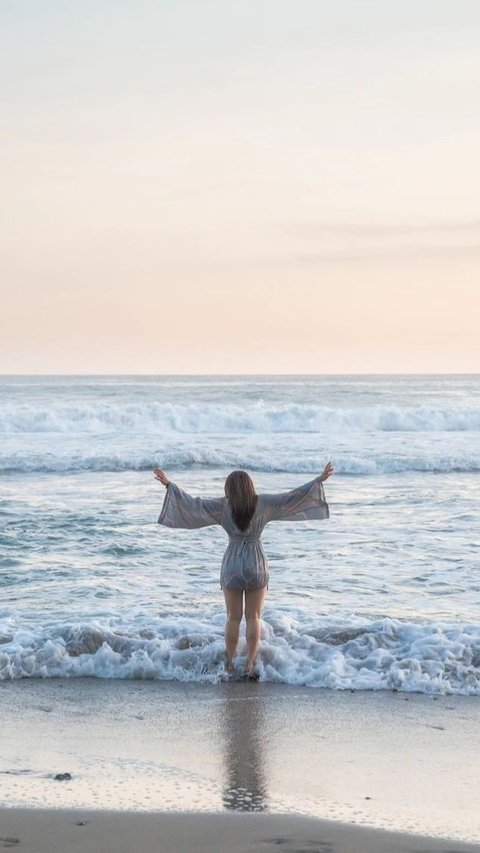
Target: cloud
(376,229)
(425,252)
(315,243)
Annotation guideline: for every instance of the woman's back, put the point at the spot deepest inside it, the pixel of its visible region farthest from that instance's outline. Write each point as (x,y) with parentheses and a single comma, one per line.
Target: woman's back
(243,514)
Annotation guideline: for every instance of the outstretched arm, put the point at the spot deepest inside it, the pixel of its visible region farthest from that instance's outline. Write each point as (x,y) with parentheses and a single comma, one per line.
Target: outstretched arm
(182,510)
(300,504)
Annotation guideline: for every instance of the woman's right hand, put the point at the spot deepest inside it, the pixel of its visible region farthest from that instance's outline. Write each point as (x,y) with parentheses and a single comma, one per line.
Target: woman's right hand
(161,476)
(327,472)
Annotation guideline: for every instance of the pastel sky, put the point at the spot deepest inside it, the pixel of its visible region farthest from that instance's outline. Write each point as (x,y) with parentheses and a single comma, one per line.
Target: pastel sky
(214,186)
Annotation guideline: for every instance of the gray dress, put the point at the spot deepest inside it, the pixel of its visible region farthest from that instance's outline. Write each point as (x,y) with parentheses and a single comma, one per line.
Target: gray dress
(244,564)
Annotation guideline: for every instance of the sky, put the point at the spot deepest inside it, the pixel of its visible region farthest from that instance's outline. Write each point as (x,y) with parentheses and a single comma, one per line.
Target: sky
(208,186)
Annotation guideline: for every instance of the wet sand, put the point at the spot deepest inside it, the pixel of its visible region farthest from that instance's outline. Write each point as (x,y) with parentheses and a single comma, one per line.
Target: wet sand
(392,761)
(38,831)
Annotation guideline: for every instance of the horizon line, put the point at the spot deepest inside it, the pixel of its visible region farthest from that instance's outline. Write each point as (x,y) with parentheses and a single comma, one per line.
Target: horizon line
(227,375)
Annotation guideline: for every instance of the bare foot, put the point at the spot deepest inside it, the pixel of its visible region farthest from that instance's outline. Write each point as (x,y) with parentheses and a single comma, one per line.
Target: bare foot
(251,675)
(229,667)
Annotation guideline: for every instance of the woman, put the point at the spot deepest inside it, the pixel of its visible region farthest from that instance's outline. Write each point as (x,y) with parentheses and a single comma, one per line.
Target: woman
(243,514)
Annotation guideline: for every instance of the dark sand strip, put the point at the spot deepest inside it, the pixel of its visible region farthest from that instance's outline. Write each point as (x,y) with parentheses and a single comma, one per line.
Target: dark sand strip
(45,831)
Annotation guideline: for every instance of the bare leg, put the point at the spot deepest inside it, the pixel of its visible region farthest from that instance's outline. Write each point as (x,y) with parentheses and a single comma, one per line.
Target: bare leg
(254,599)
(234,605)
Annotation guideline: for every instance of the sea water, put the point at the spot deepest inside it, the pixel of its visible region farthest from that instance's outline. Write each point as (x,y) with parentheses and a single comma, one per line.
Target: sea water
(383,595)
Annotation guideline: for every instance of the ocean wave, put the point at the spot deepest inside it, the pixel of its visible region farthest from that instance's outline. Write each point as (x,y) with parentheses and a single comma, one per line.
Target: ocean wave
(216,419)
(353,654)
(273,461)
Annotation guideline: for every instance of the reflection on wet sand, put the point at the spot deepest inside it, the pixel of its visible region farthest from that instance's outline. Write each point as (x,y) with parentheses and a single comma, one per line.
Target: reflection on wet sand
(243,737)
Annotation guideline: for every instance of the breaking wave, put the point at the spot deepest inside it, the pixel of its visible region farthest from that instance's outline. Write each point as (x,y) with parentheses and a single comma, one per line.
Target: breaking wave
(276,460)
(355,654)
(207,418)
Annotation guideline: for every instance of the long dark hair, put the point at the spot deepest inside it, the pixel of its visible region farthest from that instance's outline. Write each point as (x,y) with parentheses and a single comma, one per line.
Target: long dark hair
(241,493)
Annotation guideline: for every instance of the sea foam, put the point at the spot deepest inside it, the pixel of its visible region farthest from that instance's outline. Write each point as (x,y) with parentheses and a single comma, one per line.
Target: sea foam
(345,654)
(221,419)
(277,459)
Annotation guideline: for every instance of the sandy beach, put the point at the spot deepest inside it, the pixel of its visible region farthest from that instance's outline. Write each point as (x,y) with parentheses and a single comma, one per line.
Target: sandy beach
(240,427)
(284,757)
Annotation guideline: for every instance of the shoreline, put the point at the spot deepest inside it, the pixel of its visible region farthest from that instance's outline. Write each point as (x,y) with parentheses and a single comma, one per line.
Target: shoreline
(386,760)
(81,831)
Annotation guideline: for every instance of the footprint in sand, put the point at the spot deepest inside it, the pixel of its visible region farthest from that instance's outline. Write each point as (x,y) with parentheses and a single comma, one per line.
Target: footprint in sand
(9,842)
(15,772)
(300,846)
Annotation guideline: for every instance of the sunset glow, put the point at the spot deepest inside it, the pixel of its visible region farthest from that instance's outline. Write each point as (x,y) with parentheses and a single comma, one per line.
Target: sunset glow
(220,187)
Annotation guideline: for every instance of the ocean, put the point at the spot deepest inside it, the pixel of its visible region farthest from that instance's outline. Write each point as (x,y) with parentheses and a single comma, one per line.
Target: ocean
(385,595)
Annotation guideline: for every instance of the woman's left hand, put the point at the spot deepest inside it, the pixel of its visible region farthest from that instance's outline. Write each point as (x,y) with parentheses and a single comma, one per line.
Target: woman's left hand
(161,476)
(327,472)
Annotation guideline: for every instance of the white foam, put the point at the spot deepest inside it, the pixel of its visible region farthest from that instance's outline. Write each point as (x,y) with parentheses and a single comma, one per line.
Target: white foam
(345,653)
(228,418)
(277,459)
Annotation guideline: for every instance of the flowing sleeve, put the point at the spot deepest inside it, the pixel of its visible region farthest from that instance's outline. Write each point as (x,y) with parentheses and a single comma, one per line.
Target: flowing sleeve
(300,504)
(182,510)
